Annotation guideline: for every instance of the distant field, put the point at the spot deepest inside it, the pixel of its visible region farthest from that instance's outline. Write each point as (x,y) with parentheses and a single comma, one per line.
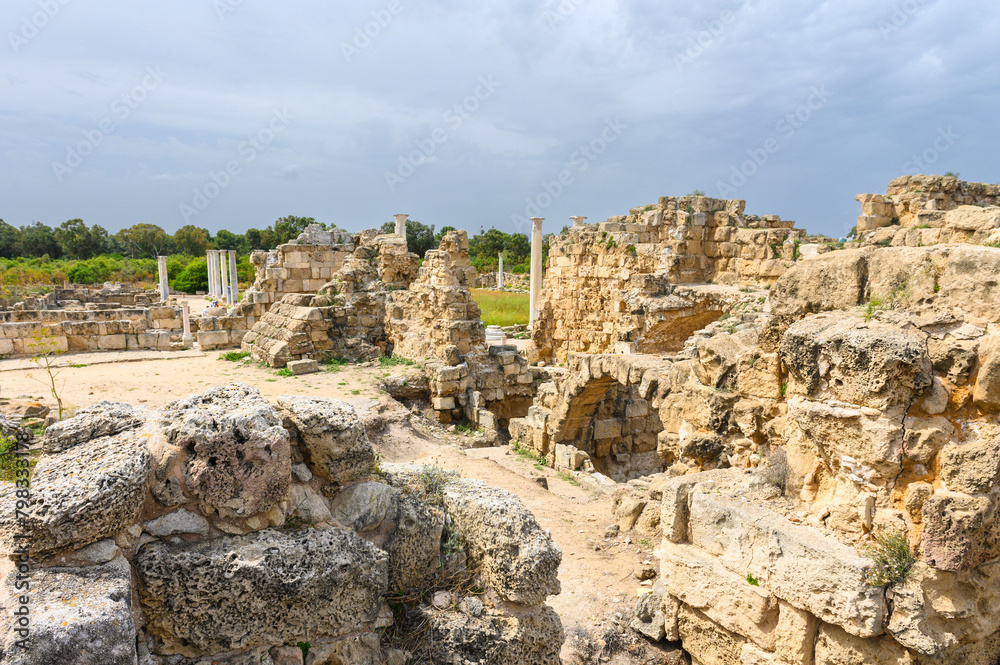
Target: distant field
(500,308)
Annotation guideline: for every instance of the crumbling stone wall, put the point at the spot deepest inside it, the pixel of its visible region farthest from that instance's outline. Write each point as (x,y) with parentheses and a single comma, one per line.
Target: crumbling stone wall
(226,529)
(614,287)
(929,210)
(863,403)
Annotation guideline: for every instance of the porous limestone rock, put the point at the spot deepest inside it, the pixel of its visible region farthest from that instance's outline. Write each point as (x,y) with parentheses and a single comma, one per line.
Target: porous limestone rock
(707,641)
(833,281)
(263,589)
(179,521)
(532,637)
(958,531)
(235,451)
(924,437)
(334,442)
(835,646)
(101,419)
(78,616)
(649,617)
(795,563)
(972,467)
(88,492)
(518,559)
(838,356)
(987,390)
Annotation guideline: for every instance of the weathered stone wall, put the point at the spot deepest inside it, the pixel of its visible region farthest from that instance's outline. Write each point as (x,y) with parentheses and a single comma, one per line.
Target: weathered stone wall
(613,287)
(225,529)
(929,210)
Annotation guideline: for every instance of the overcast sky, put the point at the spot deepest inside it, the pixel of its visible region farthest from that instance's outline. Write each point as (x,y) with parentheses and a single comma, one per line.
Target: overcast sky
(233,113)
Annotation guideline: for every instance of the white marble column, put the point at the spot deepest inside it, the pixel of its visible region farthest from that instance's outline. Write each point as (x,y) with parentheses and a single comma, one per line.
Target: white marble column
(500,273)
(224,274)
(187,339)
(536,269)
(234,286)
(161,262)
(213,262)
(577,221)
(401,225)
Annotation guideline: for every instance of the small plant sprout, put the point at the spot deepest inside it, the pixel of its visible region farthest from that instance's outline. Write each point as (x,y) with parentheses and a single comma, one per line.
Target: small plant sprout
(44,344)
(892,559)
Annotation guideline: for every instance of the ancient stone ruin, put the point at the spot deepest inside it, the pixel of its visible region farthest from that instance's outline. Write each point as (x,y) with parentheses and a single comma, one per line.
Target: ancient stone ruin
(225,529)
(806,426)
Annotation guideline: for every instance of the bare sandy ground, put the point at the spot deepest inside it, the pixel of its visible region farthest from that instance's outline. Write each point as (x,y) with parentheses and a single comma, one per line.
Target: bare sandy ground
(598,579)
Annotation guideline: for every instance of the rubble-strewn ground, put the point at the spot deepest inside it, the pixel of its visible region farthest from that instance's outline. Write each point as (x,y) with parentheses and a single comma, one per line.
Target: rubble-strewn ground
(598,575)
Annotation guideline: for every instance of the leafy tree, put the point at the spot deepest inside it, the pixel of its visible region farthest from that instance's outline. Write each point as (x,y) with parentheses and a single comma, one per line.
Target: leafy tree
(10,239)
(289,227)
(439,236)
(192,240)
(145,240)
(228,240)
(38,240)
(81,273)
(76,241)
(419,237)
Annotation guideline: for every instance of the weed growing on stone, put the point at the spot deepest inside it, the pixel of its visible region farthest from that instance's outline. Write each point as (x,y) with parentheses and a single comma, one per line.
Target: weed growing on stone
(392,361)
(775,469)
(751,580)
(892,559)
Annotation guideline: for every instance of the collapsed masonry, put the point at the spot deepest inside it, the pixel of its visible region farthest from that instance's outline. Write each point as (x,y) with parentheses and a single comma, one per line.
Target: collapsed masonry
(857,399)
(225,529)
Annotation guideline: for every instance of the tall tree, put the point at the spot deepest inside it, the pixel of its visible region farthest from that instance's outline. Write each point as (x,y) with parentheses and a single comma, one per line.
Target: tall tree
(289,227)
(192,240)
(38,240)
(145,240)
(419,238)
(76,241)
(10,239)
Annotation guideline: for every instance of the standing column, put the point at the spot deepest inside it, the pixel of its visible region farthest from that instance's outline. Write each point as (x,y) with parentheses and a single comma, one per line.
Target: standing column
(213,265)
(536,268)
(164,287)
(224,274)
(187,339)
(577,221)
(234,286)
(401,225)
(500,273)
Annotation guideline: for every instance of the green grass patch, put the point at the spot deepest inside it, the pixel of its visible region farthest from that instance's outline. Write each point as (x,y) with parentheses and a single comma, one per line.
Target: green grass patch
(568,477)
(391,361)
(334,364)
(10,461)
(284,371)
(234,356)
(501,308)
(529,456)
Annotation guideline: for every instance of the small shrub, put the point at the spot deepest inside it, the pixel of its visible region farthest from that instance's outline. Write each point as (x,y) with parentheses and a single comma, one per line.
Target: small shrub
(784,388)
(234,356)
(284,371)
(697,192)
(775,469)
(892,559)
(392,361)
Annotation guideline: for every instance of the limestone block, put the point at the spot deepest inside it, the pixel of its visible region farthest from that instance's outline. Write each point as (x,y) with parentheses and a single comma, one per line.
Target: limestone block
(958,531)
(834,646)
(700,581)
(71,505)
(972,467)
(706,641)
(299,367)
(832,281)
(236,454)
(795,563)
(987,390)
(845,358)
(648,618)
(334,442)
(871,439)
(179,521)
(795,635)
(518,558)
(78,615)
(263,589)
(674,513)
(758,374)
(924,437)
(95,421)
(477,634)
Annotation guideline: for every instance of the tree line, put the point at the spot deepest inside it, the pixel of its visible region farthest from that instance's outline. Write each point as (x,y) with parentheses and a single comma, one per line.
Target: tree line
(73,239)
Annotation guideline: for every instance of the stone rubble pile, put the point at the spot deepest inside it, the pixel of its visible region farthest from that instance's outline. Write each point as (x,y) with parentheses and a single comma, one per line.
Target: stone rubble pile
(224,529)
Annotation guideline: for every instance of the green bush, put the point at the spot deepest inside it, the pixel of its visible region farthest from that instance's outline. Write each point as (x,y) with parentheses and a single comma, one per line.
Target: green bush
(82,273)
(892,559)
(193,278)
